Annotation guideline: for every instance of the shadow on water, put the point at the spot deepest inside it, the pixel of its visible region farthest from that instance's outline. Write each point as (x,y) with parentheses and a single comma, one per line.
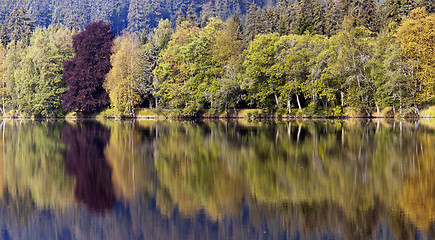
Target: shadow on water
(85,160)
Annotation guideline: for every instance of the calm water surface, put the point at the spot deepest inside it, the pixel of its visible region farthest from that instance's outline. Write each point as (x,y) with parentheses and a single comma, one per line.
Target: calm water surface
(217,180)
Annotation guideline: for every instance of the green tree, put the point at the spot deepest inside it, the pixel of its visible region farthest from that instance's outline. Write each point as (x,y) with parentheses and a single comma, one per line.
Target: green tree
(18,26)
(252,22)
(184,70)
(227,46)
(265,73)
(40,74)
(180,18)
(333,17)
(12,62)
(162,34)
(354,66)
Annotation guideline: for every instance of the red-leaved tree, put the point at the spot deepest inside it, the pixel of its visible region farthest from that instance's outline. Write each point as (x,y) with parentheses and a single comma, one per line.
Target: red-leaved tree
(85,73)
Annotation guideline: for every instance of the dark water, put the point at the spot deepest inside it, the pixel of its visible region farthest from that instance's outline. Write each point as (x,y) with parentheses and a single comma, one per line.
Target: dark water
(217,180)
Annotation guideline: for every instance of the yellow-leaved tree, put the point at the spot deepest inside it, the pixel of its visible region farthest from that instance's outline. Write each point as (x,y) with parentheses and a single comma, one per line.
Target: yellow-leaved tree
(120,81)
(417,40)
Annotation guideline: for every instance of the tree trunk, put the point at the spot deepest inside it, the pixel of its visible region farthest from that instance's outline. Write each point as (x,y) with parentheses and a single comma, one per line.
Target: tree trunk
(288,107)
(400,107)
(276,99)
(3,106)
(299,103)
(377,109)
(342,98)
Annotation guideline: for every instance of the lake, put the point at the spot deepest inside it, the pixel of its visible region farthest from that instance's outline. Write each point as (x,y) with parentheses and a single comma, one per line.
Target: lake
(311,179)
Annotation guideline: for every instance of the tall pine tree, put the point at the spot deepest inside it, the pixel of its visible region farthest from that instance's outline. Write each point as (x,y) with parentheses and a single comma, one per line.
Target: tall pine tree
(18,26)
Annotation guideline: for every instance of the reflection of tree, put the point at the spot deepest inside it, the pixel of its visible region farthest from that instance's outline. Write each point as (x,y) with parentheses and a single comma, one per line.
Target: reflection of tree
(32,164)
(85,160)
(418,197)
(300,179)
(354,165)
(125,154)
(195,174)
(351,167)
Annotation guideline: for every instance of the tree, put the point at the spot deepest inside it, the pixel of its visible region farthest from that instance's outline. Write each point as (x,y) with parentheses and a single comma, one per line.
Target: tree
(182,71)
(12,62)
(41,11)
(253,22)
(86,72)
(332,17)
(18,26)
(145,79)
(180,18)
(191,16)
(146,82)
(162,34)
(416,40)
(120,82)
(265,73)
(227,46)
(428,4)
(41,69)
(73,21)
(366,14)
(354,65)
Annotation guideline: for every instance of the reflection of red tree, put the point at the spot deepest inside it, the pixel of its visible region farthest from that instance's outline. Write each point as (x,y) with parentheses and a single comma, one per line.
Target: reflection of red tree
(85,160)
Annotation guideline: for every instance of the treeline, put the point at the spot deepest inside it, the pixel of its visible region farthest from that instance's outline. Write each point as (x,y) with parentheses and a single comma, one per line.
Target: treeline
(135,15)
(286,60)
(227,65)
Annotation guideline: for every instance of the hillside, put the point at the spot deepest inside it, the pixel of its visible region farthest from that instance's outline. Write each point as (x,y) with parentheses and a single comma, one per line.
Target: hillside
(135,15)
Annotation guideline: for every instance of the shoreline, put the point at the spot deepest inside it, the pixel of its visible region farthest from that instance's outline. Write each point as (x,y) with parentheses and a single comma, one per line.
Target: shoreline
(162,118)
(242,114)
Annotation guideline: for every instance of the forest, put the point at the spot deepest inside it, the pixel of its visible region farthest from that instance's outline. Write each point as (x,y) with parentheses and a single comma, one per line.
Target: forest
(287,58)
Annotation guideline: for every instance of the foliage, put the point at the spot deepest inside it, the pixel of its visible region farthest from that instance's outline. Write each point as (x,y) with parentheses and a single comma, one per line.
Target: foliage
(416,40)
(86,72)
(18,26)
(120,82)
(39,75)
(304,57)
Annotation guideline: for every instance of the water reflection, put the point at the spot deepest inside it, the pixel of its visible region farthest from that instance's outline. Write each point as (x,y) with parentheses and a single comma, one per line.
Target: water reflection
(85,160)
(32,169)
(218,180)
